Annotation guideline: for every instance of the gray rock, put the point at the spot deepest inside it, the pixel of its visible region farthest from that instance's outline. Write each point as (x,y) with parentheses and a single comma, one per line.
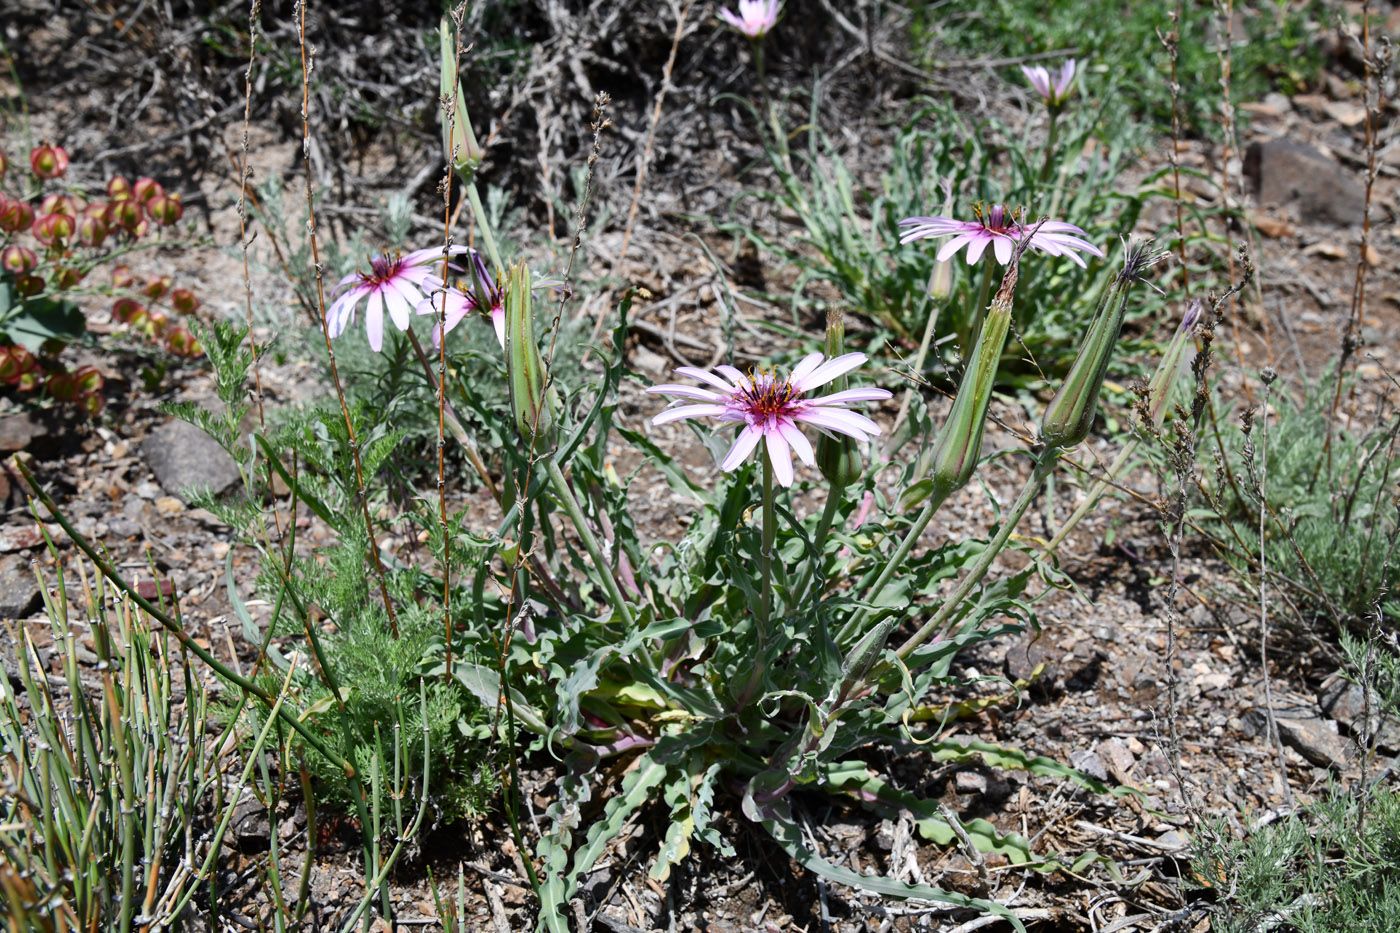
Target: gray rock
(1118,759)
(1285,173)
(970,782)
(1344,702)
(183,457)
(20,595)
(18,430)
(1317,740)
(1090,763)
(252,832)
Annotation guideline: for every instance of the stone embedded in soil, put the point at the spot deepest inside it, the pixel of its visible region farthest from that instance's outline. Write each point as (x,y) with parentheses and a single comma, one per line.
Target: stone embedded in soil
(1283,172)
(1346,703)
(28,430)
(1317,740)
(1090,763)
(183,457)
(19,590)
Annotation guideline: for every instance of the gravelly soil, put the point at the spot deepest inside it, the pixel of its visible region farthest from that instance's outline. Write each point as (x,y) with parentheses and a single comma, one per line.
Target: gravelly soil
(1096,692)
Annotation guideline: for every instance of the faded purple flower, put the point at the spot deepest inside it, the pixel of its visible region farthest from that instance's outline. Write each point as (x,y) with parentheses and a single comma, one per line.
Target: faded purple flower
(396,283)
(769,409)
(479,293)
(1053,87)
(999,230)
(755,17)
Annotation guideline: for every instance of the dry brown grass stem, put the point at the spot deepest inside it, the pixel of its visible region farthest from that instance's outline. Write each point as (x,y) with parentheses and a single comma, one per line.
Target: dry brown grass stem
(307,66)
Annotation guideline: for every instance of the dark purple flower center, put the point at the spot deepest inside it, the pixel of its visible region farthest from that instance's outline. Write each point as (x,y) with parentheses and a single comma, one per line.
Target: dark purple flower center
(382,269)
(997,218)
(766,397)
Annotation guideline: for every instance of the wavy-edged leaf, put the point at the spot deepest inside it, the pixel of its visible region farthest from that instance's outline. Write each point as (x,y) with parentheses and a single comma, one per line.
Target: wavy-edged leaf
(784,831)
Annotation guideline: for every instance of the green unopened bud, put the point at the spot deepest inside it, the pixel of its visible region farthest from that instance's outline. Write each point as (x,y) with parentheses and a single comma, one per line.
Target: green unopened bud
(838,458)
(531,401)
(458,141)
(1170,368)
(1070,413)
(959,444)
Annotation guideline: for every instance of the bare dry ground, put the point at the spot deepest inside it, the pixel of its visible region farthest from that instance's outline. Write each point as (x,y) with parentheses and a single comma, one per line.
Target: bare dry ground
(154,101)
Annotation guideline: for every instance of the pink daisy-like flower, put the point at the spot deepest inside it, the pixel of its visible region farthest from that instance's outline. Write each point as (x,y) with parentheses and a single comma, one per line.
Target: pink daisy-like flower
(1054,88)
(396,282)
(479,293)
(770,410)
(486,294)
(998,229)
(755,17)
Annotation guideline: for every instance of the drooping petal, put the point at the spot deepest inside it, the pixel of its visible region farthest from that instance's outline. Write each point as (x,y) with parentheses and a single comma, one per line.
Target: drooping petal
(976,248)
(780,455)
(374,321)
(732,374)
(1001,246)
(797,441)
(743,446)
(946,251)
(397,305)
(498,321)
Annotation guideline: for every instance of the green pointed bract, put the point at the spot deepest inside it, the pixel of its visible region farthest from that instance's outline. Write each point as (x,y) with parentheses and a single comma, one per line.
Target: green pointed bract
(838,458)
(958,445)
(1169,368)
(458,141)
(530,400)
(1070,414)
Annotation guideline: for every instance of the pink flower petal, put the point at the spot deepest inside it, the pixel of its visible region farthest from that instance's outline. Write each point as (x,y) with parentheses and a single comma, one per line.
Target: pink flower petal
(780,455)
(704,375)
(1001,246)
(688,411)
(374,321)
(704,395)
(797,441)
(743,446)
(830,370)
(852,395)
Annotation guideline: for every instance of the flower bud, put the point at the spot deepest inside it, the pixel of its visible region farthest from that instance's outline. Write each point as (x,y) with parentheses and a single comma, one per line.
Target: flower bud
(156,325)
(184,301)
(1070,414)
(29,285)
(958,446)
(62,386)
(165,209)
(92,230)
(54,229)
(124,310)
(15,216)
(145,189)
(88,379)
(125,214)
(458,141)
(18,259)
(118,188)
(156,287)
(838,458)
(67,277)
(122,277)
(1172,365)
(48,160)
(181,342)
(142,228)
(531,400)
(92,403)
(16,362)
(58,204)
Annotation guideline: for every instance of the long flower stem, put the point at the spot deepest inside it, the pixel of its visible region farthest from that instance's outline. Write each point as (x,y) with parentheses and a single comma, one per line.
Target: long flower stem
(482,223)
(770,532)
(1095,493)
(984,561)
(1049,149)
(892,567)
(929,327)
(590,542)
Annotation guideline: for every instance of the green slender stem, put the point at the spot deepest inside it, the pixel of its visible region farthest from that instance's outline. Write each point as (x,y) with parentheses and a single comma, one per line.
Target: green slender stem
(804,578)
(925,342)
(770,531)
(892,567)
(1049,147)
(481,222)
(984,561)
(590,541)
(1095,493)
